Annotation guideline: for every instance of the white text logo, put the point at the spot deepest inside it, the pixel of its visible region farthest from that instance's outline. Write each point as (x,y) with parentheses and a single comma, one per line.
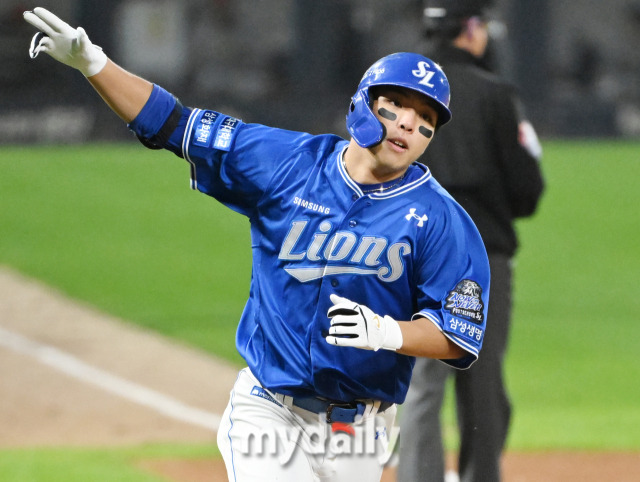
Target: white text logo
(342,252)
(365,439)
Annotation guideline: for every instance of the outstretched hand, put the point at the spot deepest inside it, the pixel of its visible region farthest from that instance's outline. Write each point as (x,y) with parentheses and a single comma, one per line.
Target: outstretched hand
(66,44)
(355,325)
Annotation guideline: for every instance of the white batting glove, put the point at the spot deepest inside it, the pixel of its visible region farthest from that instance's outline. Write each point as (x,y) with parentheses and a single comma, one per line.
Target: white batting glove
(356,325)
(66,44)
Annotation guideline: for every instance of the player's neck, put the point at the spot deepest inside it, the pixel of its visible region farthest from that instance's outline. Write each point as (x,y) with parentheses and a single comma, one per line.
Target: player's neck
(362,167)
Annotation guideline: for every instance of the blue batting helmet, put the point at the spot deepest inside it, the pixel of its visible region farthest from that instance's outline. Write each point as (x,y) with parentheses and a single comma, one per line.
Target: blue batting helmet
(408,70)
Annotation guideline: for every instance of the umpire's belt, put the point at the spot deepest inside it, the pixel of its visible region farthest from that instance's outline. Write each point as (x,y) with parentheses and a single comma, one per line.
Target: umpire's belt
(335,411)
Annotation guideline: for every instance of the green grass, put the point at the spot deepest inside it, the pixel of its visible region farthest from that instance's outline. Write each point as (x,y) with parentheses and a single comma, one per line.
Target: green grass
(87,464)
(118,227)
(572,366)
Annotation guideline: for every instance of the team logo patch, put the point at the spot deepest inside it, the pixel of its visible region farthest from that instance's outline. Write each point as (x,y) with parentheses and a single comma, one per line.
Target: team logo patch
(465,301)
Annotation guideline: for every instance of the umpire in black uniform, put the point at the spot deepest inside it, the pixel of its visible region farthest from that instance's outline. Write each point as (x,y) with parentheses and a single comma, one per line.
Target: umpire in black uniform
(488,159)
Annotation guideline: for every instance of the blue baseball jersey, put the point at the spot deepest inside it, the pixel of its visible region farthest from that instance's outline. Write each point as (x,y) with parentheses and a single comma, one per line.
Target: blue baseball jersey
(410,251)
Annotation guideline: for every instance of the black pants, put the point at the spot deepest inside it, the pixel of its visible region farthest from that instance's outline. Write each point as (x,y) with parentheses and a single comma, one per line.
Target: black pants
(482,404)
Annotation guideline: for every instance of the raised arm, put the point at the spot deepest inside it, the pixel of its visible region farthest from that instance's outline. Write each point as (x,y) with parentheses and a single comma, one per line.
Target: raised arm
(123,92)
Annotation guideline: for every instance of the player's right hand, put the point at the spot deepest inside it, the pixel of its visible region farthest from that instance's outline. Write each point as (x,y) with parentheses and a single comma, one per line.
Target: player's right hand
(66,44)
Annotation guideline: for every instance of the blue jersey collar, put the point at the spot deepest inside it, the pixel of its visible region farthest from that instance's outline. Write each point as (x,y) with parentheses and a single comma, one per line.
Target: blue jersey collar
(416,175)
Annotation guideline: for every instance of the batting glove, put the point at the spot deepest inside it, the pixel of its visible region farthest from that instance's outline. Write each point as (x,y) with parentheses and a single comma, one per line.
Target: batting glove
(356,325)
(66,44)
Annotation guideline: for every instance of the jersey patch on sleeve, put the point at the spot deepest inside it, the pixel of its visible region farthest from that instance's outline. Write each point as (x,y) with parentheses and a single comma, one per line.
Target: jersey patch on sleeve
(464,329)
(204,128)
(225,133)
(465,301)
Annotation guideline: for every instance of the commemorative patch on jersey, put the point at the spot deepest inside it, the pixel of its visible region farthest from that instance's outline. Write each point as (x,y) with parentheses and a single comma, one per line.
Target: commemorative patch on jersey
(465,301)
(204,128)
(225,133)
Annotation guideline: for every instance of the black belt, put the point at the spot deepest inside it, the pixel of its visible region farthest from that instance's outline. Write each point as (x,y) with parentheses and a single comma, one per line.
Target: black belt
(336,411)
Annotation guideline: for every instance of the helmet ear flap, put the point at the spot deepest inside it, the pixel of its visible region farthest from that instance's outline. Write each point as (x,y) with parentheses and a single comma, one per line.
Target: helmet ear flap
(362,124)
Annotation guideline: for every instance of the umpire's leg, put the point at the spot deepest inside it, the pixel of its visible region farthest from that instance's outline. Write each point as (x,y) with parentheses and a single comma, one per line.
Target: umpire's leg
(421,457)
(483,405)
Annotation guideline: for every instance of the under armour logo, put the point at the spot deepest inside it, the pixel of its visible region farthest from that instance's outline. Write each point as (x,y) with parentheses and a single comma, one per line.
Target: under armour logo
(412,215)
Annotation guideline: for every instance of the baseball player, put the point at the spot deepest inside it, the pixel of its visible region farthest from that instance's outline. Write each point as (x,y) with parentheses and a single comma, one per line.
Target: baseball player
(361,261)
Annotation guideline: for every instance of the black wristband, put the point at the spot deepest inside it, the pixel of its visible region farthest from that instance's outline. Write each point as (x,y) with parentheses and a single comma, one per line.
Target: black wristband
(159,140)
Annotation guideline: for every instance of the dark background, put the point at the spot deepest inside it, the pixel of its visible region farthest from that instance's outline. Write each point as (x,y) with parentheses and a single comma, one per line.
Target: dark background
(296,63)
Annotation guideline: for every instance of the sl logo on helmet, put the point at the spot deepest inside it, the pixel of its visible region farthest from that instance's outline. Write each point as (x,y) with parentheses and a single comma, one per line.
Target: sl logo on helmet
(424,73)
